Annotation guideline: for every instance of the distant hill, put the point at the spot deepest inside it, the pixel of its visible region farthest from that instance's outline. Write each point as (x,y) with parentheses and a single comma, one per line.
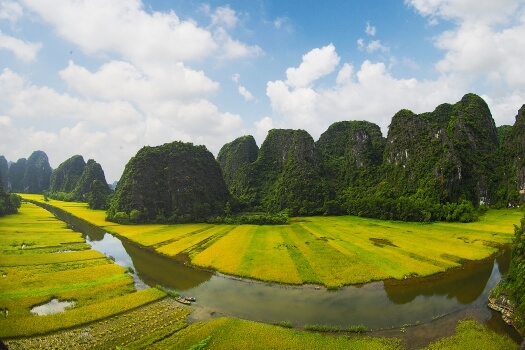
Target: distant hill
(30,175)
(75,180)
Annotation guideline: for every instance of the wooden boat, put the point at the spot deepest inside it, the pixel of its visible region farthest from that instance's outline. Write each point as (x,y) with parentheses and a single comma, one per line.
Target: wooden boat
(183,301)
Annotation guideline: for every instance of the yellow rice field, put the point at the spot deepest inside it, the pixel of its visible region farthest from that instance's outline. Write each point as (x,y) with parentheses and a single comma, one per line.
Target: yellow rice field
(41,259)
(331,251)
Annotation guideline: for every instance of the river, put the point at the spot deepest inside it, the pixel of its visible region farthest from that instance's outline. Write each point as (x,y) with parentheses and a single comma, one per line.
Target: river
(417,309)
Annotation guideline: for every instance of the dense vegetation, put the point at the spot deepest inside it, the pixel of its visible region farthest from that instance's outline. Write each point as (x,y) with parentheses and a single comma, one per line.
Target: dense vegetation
(175,182)
(9,202)
(31,175)
(75,180)
(444,165)
(440,165)
(509,295)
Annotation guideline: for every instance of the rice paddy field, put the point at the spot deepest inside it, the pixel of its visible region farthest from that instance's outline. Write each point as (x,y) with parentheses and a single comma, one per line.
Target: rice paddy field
(42,260)
(329,251)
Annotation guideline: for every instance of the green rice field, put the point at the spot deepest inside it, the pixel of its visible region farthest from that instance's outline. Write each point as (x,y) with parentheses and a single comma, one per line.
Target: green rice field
(329,251)
(41,259)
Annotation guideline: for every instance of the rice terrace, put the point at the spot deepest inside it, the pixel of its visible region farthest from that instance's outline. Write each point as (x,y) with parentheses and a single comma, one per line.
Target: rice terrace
(42,259)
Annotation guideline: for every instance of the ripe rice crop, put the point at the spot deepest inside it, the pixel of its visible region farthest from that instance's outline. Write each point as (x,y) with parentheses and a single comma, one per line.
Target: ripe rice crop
(32,325)
(33,272)
(333,251)
(229,333)
(227,253)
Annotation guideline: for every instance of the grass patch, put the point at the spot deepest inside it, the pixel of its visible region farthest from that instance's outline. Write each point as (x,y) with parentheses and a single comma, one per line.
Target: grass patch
(472,335)
(335,329)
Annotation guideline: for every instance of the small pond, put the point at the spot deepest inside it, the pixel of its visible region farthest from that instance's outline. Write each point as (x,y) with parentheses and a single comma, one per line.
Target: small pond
(434,303)
(52,307)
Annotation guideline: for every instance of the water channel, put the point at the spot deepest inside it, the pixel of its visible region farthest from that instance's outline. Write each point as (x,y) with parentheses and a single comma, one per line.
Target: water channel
(422,308)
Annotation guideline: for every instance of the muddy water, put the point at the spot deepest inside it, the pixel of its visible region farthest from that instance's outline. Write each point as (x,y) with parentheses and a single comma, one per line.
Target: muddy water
(424,308)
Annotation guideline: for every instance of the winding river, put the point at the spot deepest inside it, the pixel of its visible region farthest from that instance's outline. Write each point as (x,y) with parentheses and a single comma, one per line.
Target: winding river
(417,309)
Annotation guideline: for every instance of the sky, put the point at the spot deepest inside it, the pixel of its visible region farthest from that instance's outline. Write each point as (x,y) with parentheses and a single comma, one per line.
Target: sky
(105,78)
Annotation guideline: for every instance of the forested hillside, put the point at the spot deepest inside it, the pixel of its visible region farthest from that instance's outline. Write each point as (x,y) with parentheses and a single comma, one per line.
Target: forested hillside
(76,180)
(174,182)
(438,165)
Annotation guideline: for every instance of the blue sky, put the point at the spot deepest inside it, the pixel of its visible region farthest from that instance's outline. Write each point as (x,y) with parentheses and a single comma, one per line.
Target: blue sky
(104,78)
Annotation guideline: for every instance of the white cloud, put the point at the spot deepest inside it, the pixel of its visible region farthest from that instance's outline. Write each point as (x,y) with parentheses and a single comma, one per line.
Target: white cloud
(23,50)
(316,64)
(118,80)
(245,93)
(233,49)
(236,77)
(126,29)
(370,30)
(10,10)
(371,93)
(345,74)
(487,12)
(262,127)
(224,16)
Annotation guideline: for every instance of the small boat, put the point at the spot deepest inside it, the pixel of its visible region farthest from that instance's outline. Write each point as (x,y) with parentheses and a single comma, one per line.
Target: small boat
(189,298)
(182,301)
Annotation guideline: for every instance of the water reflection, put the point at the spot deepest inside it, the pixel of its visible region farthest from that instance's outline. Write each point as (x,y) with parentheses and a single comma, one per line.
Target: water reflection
(465,284)
(52,307)
(377,305)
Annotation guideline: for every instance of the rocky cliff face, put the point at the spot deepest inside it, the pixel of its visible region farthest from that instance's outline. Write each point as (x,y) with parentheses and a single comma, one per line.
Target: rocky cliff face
(31,175)
(91,172)
(235,159)
(37,173)
(351,152)
(286,174)
(513,151)
(445,155)
(173,182)
(65,177)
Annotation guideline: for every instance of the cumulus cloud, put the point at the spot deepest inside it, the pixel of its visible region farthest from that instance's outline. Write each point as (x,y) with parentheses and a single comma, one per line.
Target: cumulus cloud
(371,93)
(120,108)
(315,64)
(143,38)
(245,93)
(10,10)
(224,16)
(23,50)
(484,46)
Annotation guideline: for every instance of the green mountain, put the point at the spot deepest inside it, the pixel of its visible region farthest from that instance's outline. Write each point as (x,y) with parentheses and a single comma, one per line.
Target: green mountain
(438,165)
(4,169)
(65,177)
(174,182)
(235,159)
(351,153)
(15,176)
(30,175)
(75,180)
(286,174)
(91,179)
